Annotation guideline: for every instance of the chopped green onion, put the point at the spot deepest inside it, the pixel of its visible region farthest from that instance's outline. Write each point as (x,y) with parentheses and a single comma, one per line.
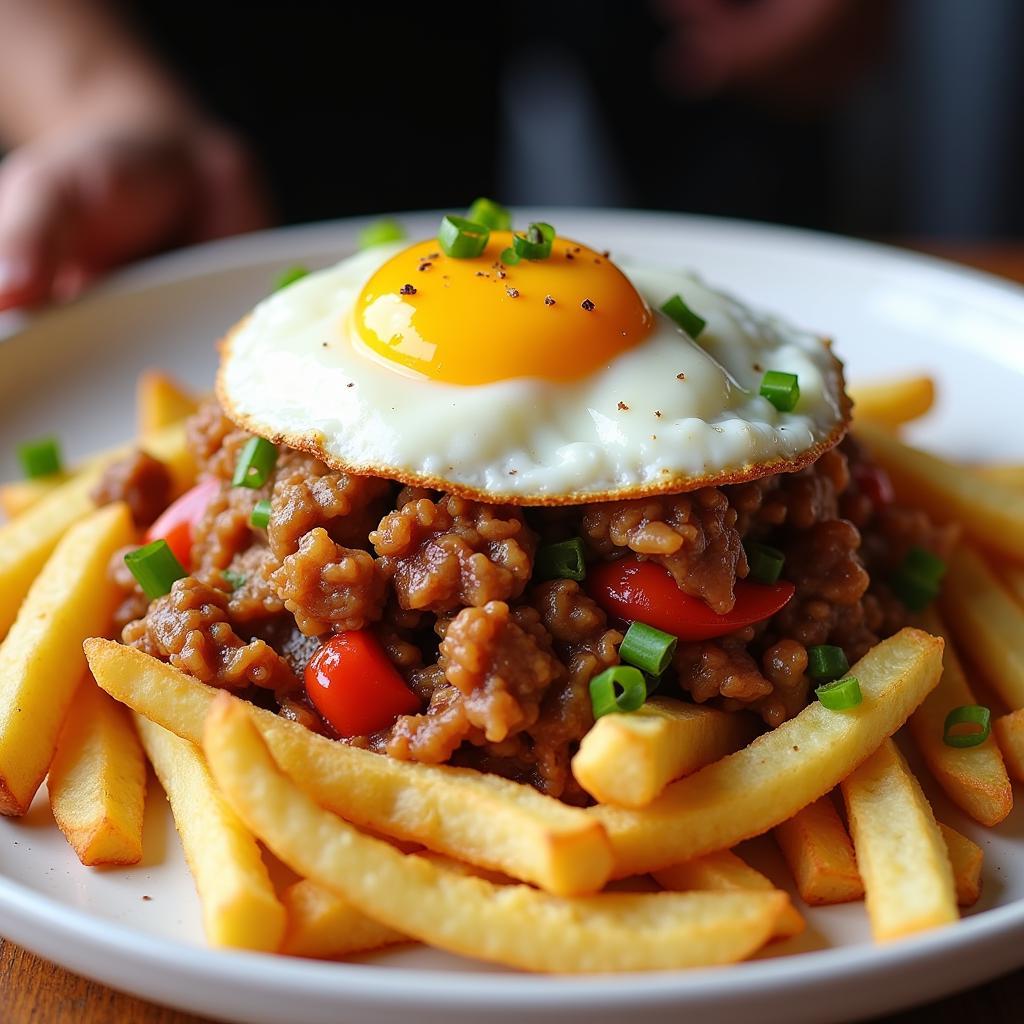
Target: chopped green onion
(765,562)
(969,714)
(289,276)
(155,568)
(925,565)
(509,256)
(917,581)
(649,649)
(235,579)
(260,517)
(380,232)
(620,688)
(536,243)
(40,458)
(462,239)
(255,463)
(684,316)
(489,213)
(781,389)
(561,561)
(825,663)
(840,694)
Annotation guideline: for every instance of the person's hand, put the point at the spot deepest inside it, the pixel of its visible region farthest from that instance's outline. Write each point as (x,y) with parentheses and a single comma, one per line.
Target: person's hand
(83,200)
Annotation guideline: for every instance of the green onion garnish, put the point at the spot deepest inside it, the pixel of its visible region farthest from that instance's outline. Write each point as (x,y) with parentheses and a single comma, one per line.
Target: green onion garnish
(155,568)
(684,316)
(509,256)
(40,458)
(561,561)
(489,213)
(825,663)
(765,562)
(536,243)
(234,579)
(649,649)
(918,580)
(260,517)
(380,232)
(620,688)
(969,714)
(462,239)
(840,694)
(781,389)
(255,463)
(289,276)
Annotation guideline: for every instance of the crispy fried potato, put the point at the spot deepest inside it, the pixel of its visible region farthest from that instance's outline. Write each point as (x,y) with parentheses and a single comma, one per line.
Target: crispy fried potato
(18,495)
(514,924)
(239,905)
(41,659)
(480,818)
(820,855)
(987,622)
(160,401)
(629,759)
(908,880)
(991,513)
(97,780)
(892,402)
(1009,732)
(974,778)
(1009,476)
(724,870)
(966,858)
(782,771)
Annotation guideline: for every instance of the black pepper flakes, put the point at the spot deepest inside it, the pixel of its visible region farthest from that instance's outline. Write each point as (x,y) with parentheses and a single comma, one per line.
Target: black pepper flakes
(426,265)
(606,253)
(482,273)
(407,289)
(588,305)
(623,407)
(501,275)
(758,368)
(351,384)
(512,293)
(569,256)
(549,300)
(680,376)
(657,412)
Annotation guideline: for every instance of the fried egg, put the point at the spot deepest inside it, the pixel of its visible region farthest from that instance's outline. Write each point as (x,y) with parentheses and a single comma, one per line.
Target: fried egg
(553,381)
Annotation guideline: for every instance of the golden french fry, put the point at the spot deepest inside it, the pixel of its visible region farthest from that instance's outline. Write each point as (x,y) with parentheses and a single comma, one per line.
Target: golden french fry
(18,495)
(974,778)
(987,622)
(725,870)
(97,780)
(472,816)
(908,880)
(1009,733)
(240,907)
(991,513)
(820,855)
(41,660)
(1009,476)
(966,858)
(513,924)
(160,401)
(766,783)
(892,402)
(629,759)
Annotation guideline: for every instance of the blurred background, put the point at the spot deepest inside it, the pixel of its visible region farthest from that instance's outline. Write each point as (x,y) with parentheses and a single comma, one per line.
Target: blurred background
(134,127)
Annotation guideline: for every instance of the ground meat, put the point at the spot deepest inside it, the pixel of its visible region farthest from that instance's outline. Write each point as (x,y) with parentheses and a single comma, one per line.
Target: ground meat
(253,594)
(214,441)
(141,481)
(189,627)
(721,668)
(454,552)
(436,734)
(693,535)
(327,586)
(799,500)
(225,530)
(785,666)
(133,603)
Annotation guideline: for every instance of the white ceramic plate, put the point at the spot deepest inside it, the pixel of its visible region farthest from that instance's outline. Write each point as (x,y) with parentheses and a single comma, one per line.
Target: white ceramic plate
(73,372)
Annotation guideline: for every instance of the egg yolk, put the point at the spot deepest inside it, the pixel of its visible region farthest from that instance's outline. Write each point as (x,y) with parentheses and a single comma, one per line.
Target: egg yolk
(475,321)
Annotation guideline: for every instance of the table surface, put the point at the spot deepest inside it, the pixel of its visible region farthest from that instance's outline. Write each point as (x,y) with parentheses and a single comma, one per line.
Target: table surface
(33,991)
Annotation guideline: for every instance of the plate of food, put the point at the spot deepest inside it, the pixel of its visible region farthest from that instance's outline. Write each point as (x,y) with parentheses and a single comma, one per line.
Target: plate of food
(558,612)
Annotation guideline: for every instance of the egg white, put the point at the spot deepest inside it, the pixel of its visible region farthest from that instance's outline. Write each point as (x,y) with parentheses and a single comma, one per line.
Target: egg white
(668,415)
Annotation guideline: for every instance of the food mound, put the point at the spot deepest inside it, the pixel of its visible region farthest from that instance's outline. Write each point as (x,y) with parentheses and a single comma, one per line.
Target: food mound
(457,499)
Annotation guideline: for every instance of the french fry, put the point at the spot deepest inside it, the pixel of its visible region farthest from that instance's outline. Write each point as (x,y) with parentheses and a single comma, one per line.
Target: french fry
(1009,476)
(97,780)
(629,759)
(892,402)
(512,924)
(766,783)
(908,880)
(239,905)
(991,513)
(820,855)
(725,871)
(1009,732)
(160,401)
(469,815)
(987,622)
(26,542)
(974,778)
(966,858)
(324,925)
(41,660)
(18,495)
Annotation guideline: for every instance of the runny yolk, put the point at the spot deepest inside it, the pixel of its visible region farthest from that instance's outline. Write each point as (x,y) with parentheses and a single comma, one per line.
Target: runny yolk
(475,321)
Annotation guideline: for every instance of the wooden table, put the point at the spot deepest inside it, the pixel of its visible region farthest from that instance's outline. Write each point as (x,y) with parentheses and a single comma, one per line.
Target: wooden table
(33,991)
